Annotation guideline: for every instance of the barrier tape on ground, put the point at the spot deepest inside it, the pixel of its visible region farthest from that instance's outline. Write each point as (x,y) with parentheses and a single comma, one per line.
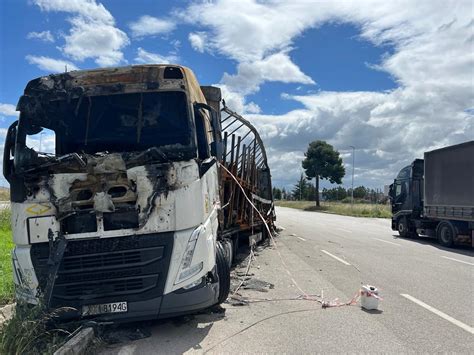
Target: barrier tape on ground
(304,295)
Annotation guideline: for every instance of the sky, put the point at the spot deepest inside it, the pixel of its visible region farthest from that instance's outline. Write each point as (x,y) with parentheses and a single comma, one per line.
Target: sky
(391,78)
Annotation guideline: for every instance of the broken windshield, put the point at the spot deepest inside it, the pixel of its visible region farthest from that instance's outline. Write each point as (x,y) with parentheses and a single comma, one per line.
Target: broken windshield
(118,123)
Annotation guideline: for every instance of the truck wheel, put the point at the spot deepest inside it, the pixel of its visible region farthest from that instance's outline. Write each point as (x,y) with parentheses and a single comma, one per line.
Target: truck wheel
(228,245)
(223,273)
(446,234)
(402,227)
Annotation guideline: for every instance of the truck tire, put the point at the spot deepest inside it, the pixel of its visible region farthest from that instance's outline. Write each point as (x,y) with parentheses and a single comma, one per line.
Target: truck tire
(446,233)
(228,245)
(223,272)
(402,227)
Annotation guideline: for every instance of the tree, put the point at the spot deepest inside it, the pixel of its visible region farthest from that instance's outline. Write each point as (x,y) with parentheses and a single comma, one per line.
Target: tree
(335,194)
(300,191)
(361,192)
(276,193)
(323,162)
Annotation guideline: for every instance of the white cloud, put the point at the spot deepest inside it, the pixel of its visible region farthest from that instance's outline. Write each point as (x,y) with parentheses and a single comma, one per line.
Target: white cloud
(44,36)
(8,110)
(252,107)
(92,34)
(146,57)
(89,9)
(50,64)
(95,40)
(431,59)
(198,41)
(275,67)
(151,26)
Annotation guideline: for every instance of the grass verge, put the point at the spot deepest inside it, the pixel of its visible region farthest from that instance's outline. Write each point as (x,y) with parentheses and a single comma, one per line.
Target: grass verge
(32,330)
(345,209)
(6,246)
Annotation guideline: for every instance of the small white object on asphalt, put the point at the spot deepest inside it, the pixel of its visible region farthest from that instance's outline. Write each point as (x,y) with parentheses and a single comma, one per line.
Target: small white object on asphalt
(369,297)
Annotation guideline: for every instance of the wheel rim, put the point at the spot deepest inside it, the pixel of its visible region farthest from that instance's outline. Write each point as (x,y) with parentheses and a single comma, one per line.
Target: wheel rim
(401,227)
(446,235)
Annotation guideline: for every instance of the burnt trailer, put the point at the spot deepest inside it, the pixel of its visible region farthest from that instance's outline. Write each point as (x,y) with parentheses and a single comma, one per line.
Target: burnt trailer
(130,190)
(434,196)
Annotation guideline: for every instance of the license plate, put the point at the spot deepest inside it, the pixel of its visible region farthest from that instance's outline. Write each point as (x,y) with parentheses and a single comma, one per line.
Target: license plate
(93,309)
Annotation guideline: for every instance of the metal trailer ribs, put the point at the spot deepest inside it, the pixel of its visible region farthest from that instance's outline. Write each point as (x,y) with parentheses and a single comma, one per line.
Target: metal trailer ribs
(244,156)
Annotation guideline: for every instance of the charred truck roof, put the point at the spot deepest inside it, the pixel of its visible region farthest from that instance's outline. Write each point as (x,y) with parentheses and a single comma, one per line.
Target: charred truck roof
(129,109)
(78,104)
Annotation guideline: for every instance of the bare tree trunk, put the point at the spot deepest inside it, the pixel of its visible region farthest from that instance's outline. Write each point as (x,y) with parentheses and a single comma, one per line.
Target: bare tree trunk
(317,190)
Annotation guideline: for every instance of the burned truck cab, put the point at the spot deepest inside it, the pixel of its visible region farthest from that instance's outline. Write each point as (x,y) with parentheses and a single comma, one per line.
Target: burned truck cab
(115,193)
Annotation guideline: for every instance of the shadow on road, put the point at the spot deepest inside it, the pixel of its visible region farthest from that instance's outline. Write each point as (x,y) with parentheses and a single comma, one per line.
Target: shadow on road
(372,311)
(174,335)
(462,249)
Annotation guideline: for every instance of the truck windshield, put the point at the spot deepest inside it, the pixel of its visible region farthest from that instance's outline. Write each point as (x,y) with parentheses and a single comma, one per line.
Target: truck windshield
(126,122)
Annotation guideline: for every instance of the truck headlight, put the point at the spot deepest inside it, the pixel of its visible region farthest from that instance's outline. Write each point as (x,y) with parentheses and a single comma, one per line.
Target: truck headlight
(186,269)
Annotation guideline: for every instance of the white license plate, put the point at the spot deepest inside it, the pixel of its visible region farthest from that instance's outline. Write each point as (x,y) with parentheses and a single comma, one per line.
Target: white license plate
(93,309)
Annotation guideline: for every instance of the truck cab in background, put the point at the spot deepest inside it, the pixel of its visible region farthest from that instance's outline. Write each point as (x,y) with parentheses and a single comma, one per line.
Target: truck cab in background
(406,194)
(434,196)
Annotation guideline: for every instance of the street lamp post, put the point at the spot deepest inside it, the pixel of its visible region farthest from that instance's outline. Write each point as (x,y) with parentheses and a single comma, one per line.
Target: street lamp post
(353,161)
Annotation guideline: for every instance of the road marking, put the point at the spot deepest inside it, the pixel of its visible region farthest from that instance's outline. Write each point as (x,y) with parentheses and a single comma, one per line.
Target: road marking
(335,257)
(459,261)
(386,241)
(304,240)
(439,313)
(344,230)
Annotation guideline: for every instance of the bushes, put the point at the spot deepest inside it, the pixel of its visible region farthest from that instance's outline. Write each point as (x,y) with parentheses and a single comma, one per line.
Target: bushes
(346,209)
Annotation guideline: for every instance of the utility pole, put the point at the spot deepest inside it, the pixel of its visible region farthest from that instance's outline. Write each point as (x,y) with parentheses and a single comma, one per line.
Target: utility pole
(301,187)
(353,161)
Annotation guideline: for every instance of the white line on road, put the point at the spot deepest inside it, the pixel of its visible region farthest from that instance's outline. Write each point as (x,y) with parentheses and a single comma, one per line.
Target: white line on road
(386,241)
(335,257)
(304,240)
(459,261)
(439,313)
(344,230)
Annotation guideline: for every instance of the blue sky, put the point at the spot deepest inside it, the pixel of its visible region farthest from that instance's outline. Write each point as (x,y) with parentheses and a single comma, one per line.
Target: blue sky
(392,79)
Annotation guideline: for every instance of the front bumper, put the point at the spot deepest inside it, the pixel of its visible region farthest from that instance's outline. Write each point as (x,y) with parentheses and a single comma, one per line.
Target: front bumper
(133,269)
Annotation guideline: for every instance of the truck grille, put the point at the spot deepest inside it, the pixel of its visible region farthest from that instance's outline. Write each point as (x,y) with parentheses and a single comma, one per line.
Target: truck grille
(132,266)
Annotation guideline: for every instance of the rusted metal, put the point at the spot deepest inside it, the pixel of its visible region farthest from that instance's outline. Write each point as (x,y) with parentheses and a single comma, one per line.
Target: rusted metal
(245,158)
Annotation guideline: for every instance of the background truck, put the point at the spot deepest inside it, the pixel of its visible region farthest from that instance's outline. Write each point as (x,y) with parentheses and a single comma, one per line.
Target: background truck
(435,196)
(136,211)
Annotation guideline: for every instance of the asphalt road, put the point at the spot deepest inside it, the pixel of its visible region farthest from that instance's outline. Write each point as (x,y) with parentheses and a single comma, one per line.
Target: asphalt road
(427,295)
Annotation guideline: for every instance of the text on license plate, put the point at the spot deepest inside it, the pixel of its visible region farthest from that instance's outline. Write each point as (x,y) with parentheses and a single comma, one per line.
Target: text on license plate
(115,307)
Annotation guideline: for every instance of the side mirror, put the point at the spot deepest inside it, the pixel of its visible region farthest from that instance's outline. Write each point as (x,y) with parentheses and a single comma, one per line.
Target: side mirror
(216,146)
(8,150)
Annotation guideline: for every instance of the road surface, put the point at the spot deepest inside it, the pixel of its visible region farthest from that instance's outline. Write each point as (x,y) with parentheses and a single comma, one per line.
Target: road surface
(427,295)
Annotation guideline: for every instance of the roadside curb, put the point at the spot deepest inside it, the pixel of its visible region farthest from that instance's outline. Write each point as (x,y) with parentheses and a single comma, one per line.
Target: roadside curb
(78,344)
(6,312)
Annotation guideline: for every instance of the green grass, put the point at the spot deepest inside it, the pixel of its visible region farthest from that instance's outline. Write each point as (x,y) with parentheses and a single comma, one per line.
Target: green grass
(33,330)
(345,209)
(4,194)
(6,246)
